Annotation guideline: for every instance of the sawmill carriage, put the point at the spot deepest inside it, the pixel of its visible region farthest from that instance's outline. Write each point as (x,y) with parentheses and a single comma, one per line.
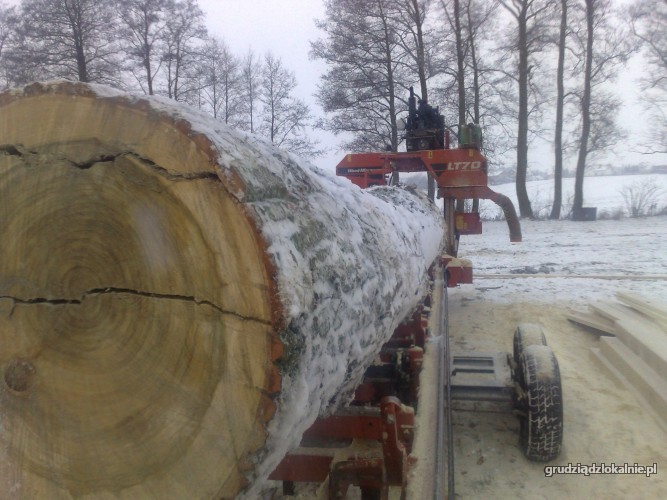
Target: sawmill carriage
(527,381)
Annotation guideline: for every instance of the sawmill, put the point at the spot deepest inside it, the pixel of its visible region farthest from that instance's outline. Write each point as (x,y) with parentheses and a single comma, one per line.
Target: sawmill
(188,312)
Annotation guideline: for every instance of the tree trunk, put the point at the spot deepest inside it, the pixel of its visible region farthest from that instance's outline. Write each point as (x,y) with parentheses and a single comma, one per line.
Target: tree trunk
(522,137)
(421,70)
(421,50)
(391,89)
(460,67)
(460,81)
(585,114)
(178,301)
(560,99)
(475,83)
(147,64)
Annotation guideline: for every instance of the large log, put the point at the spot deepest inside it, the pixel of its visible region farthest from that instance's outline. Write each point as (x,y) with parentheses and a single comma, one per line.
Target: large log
(179,301)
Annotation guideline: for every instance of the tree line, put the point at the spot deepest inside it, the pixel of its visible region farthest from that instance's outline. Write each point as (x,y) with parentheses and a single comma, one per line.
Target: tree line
(160,47)
(520,69)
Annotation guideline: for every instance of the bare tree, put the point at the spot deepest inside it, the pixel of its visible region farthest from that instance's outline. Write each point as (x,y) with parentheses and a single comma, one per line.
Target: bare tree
(366,72)
(649,24)
(529,39)
(419,43)
(284,117)
(72,39)
(560,104)
(453,12)
(469,72)
(422,47)
(142,30)
(222,86)
(251,74)
(477,19)
(459,36)
(8,27)
(15,69)
(606,47)
(183,36)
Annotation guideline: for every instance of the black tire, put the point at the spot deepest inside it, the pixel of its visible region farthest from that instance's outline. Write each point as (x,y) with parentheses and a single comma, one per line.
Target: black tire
(527,334)
(540,404)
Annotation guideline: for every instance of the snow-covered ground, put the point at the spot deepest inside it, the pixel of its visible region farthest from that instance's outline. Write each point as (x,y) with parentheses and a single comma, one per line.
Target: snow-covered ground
(577,263)
(565,261)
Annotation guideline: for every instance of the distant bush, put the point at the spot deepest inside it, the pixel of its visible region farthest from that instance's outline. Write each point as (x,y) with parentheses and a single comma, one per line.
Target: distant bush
(641,198)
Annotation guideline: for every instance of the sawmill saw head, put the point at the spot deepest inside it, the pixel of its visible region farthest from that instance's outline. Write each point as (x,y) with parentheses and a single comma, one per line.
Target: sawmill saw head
(460,173)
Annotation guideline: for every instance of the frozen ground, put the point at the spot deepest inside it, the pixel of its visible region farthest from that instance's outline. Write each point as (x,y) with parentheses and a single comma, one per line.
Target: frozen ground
(565,261)
(577,262)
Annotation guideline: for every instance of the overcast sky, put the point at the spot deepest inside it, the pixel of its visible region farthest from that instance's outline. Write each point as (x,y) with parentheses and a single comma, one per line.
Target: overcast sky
(286,27)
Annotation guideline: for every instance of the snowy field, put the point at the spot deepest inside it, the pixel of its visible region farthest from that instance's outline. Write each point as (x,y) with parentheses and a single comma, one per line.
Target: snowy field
(576,263)
(605,193)
(565,261)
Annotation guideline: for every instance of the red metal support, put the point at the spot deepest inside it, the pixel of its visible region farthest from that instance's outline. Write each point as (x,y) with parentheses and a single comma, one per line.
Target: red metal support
(378,473)
(390,423)
(468,222)
(460,174)
(303,468)
(457,271)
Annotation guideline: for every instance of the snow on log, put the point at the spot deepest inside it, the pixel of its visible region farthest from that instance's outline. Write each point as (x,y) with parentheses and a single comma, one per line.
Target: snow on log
(179,301)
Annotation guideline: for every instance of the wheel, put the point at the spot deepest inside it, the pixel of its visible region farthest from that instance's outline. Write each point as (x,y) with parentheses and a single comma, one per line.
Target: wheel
(540,404)
(527,334)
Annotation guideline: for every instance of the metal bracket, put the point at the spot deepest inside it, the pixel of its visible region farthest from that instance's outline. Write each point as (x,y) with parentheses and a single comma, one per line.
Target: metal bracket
(378,473)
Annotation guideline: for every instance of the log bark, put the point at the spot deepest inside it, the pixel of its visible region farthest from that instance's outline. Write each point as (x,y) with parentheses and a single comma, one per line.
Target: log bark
(179,301)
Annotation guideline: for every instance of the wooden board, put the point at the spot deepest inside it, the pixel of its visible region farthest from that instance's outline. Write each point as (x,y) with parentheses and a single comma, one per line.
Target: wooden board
(647,341)
(606,365)
(642,378)
(600,324)
(178,302)
(637,356)
(614,311)
(652,308)
(636,330)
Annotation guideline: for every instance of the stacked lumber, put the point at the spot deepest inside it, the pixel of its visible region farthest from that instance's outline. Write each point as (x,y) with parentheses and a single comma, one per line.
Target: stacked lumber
(633,345)
(180,301)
